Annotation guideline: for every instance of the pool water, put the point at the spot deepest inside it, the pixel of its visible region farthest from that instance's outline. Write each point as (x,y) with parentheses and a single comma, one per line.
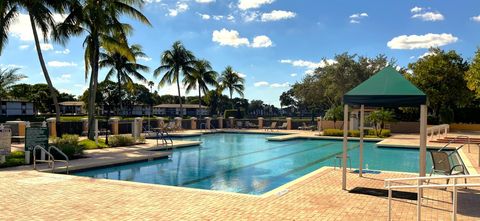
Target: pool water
(248,163)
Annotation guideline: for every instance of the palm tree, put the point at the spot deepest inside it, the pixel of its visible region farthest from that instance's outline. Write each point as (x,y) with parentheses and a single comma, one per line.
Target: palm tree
(99,22)
(8,12)
(232,81)
(41,16)
(122,68)
(200,78)
(8,77)
(173,62)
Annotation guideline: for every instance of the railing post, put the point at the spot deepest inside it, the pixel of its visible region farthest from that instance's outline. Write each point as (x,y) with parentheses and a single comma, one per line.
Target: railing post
(419,200)
(454,203)
(389,201)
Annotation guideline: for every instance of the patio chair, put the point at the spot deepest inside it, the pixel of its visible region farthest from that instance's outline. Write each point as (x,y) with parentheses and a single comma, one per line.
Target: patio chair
(442,166)
(272,126)
(284,126)
(239,125)
(305,127)
(170,126)
(250,125)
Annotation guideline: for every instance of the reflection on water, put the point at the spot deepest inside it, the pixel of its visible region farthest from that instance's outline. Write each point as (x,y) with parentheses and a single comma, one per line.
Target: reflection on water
(247,163)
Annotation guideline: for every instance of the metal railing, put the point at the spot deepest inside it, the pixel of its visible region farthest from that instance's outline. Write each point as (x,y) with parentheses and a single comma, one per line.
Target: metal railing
(438,130)
(51,160)
(420,186)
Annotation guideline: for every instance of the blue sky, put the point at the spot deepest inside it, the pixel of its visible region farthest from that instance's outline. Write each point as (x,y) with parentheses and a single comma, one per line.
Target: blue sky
(274,43)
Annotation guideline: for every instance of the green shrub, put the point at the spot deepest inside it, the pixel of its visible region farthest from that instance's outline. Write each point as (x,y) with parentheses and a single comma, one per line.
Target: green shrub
(333,132)
(16,158)
(385,133)
(353,133)
(234,113)
(121,141)
(91,145)
(68,144)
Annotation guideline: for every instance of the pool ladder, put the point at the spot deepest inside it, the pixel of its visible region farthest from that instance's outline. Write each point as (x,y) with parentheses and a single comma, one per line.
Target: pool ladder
(51,159)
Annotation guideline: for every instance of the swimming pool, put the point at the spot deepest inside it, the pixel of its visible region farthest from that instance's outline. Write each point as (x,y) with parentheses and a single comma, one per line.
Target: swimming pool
(248,163)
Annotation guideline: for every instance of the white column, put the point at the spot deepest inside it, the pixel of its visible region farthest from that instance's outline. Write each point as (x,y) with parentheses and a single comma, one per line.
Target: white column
(423,139)
(96,131)
(362,121)
(345,149)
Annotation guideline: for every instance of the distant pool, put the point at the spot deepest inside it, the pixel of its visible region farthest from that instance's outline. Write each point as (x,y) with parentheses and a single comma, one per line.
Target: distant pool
(248,163)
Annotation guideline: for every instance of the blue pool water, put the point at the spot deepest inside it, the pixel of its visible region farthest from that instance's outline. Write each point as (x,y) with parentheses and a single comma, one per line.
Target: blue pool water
(248,163)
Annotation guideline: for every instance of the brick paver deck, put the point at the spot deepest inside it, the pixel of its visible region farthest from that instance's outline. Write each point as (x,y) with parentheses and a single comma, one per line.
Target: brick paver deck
(29,195)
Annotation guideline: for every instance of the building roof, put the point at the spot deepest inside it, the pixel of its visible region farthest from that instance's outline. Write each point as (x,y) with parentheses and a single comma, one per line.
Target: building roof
(72,103)
(387,88)
(192,106)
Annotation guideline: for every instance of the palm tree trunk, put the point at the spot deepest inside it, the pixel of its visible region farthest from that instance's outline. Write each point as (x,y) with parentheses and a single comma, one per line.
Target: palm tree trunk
(199,103)
(180,98)
(231,98)
(53,94)
(119,82)
(93,87)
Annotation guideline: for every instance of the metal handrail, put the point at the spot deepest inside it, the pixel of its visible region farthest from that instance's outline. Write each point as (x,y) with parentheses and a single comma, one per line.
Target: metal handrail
(420,186)
(454,140)
(47,161)
(66,161)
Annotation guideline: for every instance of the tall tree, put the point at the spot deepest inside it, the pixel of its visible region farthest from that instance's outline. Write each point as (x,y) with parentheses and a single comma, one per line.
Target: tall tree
(178,60)
(202,76)
(8,77)
(99,21)
(232,81)
(473,74)
(122,68)
(441,76)
(41,18)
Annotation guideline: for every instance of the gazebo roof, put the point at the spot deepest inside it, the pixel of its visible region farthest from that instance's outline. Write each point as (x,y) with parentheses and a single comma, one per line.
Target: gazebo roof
(387,88)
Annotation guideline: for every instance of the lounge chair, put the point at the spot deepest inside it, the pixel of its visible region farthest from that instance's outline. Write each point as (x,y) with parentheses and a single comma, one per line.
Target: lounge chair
(305,127)
(284,126)
(239,125)
(250,125)
(442,166)
(170,126)
(272,126)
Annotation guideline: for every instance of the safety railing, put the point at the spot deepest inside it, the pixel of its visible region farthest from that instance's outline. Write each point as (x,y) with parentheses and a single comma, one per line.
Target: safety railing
(51,159)
(420,185)
(438,130)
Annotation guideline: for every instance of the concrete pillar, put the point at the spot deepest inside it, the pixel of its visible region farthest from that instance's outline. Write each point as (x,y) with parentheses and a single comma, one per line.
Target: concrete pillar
(114,122)
(178,122)
(21,128)
(193,123)
(231,120)
(423,139)
(84,126)
(137,127)
(160,122)
(220,122)
(289,123)
(96,131)
(260,123)
(319,123)
(208,123)
(345,147)
(52,127)
(362,122)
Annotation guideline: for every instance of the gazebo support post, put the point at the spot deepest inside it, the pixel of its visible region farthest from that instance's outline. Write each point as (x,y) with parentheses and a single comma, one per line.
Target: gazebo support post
(423,149)
(345,147)
(362,121)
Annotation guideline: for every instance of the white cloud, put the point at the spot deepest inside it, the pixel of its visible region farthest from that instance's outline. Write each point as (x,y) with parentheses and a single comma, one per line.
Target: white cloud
(428,53)
(66,51)
(230,18)
(242,75)
(249,4)
(355,18)
(46,46)
(23,47)
(232,38)
(309,65)
(144,58)
(204,1)
(429,16)
(276,15)
(152,1)
(217,17)
(425,14)
(179,8)
(293,74)
(64,78)
(277,85)
(229,38)
(204,16)
(11,66)
(421,41)
(22,29)
(261,41)
(249,16)
(57,64)
(416,9)
(261,84)
(476,18)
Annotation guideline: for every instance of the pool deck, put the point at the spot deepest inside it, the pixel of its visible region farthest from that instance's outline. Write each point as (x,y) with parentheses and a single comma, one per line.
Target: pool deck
(46,196)
(316,196)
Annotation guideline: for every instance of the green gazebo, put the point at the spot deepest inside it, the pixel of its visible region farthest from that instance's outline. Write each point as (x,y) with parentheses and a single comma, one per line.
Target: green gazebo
(387,88)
